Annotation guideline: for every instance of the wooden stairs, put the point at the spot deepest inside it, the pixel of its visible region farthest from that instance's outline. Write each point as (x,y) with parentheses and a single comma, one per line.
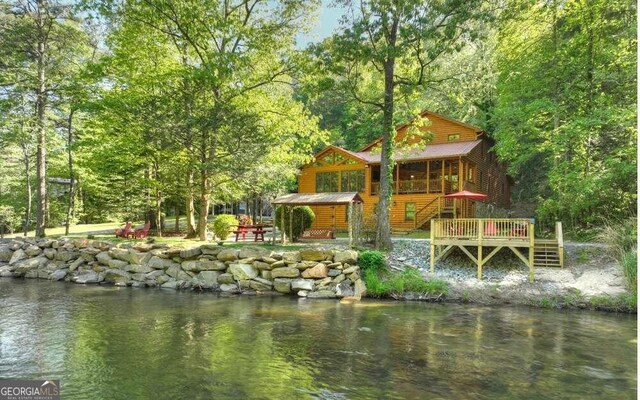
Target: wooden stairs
(547,253)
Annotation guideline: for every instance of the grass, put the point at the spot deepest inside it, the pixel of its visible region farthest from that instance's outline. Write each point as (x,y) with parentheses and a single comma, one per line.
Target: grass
(386,284)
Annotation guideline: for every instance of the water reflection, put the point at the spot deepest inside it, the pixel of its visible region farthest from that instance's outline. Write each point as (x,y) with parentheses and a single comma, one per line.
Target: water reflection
(122,343)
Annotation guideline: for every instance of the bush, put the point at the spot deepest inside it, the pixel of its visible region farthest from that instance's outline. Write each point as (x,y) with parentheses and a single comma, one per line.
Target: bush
(303,217)
(621,237)
(222,225)
(369,224)
(372,260)
(410,280)
(9,220)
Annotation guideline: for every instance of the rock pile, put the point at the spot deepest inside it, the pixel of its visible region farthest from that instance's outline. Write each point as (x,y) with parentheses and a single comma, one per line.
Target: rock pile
(311,273)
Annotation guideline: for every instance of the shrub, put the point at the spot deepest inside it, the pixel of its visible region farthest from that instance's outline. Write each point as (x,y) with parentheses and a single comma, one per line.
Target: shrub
(369,224)
(372,260)
(621,237)
(222,225)
(410,280)
(303,217)
(375,286)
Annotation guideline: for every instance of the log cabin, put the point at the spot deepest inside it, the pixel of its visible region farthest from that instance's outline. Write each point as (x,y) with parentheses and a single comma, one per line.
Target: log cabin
(458,157)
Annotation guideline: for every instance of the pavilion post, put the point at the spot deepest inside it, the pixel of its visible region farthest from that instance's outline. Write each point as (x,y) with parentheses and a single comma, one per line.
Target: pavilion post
(273,218)
(350,222)
(291,223)
(282,223)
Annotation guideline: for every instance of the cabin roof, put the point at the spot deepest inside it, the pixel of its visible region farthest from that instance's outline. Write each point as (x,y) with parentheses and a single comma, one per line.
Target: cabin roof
(318,198)
(430,151)
(423,114)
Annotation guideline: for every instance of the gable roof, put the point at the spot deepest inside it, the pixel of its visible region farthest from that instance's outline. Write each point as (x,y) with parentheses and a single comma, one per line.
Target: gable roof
(430,151)
(423,114)
(318,198)
(340,149)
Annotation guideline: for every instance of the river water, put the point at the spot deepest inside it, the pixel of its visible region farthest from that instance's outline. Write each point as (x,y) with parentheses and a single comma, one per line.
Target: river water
(124,343)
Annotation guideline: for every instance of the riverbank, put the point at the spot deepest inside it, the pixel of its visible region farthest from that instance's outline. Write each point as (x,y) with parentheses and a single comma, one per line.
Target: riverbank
(591,278)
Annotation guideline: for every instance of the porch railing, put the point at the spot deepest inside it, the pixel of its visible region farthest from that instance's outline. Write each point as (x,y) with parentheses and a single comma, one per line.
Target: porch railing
(483,228)
(414,186)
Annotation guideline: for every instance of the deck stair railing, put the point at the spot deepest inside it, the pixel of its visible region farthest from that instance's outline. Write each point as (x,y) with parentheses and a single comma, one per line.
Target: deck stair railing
(434,208)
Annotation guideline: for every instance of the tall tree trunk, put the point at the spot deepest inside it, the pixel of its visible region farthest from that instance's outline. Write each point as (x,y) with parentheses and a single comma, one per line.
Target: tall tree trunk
(204,205)
(41,151)
(158,198)
(176,210)
(383,231)
(72,181)
(190,209)
(27,176)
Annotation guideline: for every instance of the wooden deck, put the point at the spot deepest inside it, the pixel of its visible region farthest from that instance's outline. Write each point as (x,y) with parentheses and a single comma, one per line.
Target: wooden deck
(512,233)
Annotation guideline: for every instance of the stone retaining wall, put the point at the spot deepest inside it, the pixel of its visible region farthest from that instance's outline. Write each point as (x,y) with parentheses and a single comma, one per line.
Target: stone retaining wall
(312,273)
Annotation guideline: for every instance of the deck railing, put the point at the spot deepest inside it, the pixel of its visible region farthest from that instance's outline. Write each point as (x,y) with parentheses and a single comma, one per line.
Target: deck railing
(483,228)
(414,186)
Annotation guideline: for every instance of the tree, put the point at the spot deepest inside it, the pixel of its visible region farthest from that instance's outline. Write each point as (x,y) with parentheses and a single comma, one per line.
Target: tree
(566,107)
(399,42)
(39,40)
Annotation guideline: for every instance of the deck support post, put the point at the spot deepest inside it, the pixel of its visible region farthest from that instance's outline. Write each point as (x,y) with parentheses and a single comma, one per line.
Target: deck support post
(432,253)
(531,232)
(480,257)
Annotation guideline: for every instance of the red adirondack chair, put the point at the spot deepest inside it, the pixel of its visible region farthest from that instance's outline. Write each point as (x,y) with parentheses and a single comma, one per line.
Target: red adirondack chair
(142,233)
(124,232)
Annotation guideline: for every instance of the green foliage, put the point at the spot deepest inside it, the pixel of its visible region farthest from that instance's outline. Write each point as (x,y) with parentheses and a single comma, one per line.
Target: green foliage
(222,225)
(397,284)
(372,260)
(566,108)
(9,219)
(627,302)
(299,219)
(621,236)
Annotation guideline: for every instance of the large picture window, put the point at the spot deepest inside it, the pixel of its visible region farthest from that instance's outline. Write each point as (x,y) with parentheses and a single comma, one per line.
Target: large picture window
(409,211)
(326,182)
(352,181)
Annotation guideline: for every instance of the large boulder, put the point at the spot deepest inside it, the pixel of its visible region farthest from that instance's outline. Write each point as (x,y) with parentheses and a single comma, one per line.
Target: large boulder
(344,289)
(261,285)
(285,272)
(17,255)
(229,288)
(191,265)
(157,263)
(205,264)
(117,264)
(139,269)
(359,288)
(243,271)
(57,275)
(173,270)
(138,257)
(120,254)
(282,285)
(23,266)
(302,284)
(318,272)
(6,271)
(262,266)
(66,255)
(206,279)
(321,294)
(228,255)
(116,275)
(253,252)
(87,277)
(76,264)
(103,258)
(291,257)
(32,250)
(314,255)
(345,256)
(5,253)
(190,253)
(226,279)
(49,253)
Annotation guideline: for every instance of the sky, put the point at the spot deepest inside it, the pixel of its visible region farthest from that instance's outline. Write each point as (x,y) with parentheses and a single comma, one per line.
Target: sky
(328,21)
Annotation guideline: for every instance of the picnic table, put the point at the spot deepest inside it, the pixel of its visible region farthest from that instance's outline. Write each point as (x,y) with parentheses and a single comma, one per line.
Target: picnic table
(257,230)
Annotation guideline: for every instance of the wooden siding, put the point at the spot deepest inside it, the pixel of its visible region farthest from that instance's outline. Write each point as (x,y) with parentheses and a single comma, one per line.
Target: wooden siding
(490,178)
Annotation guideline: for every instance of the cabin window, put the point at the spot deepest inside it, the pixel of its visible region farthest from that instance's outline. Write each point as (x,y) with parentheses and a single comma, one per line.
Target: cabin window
(409,211)
(350,162)
(455,136)
(328,159)
(326,182)
(471,176)
(352,181)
